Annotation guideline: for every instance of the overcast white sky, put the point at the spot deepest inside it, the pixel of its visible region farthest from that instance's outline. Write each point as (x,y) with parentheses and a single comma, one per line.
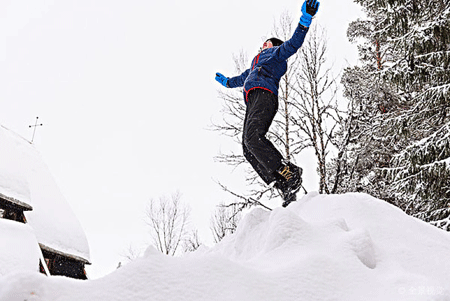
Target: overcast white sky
(126,92)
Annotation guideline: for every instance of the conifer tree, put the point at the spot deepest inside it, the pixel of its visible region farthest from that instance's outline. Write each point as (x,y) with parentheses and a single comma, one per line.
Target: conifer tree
(402,100)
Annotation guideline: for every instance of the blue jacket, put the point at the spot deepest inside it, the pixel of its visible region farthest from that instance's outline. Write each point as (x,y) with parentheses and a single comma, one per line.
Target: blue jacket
(269,66)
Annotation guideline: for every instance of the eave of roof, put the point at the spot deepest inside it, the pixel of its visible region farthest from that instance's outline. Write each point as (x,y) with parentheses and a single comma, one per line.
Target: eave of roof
(74,257)
(15,203)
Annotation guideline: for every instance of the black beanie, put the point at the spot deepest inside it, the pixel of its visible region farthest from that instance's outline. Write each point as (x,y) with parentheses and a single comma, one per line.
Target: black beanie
(275,41)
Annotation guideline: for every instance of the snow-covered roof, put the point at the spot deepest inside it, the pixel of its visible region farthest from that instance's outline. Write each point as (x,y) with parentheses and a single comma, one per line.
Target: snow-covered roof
(13,175)
(25,177)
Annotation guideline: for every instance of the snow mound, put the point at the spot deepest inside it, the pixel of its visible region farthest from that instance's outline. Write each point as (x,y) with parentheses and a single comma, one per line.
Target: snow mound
(273,236)
(346,247)
(19,248)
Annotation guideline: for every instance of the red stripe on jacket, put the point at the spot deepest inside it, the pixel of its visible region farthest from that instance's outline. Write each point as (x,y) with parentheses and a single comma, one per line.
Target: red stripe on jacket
(255,61)
(262,88)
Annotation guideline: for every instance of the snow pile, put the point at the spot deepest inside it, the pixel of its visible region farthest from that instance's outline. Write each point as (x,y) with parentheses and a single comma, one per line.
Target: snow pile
(347,247)
(19,249)
(25,177)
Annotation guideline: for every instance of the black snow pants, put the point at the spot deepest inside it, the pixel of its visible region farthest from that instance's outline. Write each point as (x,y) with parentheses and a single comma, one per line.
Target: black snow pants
(258,150)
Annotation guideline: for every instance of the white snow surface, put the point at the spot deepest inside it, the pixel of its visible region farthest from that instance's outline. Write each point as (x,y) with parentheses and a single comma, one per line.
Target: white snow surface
(25,176)
(19,250)
(345,247)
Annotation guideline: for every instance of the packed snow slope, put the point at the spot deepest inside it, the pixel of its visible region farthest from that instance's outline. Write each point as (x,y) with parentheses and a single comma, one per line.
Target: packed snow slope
(345,247)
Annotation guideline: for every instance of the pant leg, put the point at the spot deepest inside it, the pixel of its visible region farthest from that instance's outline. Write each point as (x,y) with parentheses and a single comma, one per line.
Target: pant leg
(260,170)
(261,109)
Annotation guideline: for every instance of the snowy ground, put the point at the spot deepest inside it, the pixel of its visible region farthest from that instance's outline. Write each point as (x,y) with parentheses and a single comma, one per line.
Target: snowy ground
(346,247)
(22,251)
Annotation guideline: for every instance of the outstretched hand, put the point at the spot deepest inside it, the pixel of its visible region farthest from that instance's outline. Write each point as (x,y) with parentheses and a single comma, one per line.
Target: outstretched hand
(309,9)
(222,79)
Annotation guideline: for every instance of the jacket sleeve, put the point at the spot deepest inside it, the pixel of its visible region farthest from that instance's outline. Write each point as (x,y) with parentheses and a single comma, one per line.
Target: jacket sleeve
(291,46)
(238,81)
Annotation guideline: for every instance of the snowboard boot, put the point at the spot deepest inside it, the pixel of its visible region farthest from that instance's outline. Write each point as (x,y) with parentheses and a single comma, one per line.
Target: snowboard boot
(290,199)
(289,181)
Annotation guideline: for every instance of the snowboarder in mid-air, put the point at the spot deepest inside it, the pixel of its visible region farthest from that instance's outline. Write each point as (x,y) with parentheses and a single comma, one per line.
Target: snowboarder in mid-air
(260,83)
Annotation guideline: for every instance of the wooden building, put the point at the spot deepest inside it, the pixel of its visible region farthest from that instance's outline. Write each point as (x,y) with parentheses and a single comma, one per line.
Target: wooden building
(29,195)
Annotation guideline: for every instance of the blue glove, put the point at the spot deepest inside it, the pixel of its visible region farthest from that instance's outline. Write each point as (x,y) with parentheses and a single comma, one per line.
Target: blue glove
(222,79)
(309,9)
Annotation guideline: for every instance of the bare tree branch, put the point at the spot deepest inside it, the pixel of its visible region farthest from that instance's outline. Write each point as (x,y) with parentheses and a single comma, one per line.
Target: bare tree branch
(224,221)
(248,202)
(168,220)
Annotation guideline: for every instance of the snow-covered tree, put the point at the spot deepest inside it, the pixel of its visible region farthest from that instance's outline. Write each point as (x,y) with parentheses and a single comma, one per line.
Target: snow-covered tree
(401,96)
(365,150)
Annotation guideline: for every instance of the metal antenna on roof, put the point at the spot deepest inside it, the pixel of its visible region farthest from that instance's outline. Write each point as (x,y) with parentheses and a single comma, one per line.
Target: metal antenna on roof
(35,126)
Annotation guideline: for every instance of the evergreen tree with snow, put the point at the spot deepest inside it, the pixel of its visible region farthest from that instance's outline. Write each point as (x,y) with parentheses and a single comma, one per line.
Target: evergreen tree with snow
(400,143)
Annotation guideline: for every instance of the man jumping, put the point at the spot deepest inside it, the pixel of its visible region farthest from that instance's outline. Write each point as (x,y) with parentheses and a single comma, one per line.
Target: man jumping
(261,82)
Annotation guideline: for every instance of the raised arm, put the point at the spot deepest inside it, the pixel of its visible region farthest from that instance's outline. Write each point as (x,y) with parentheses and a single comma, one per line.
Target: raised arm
(291,46)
